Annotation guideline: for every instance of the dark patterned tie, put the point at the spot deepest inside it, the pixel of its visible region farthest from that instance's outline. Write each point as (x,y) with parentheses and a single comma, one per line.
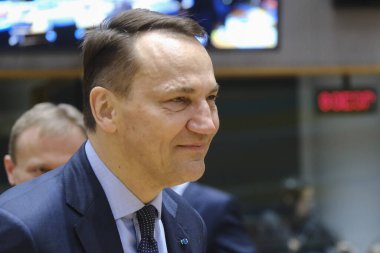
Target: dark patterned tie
(146,217)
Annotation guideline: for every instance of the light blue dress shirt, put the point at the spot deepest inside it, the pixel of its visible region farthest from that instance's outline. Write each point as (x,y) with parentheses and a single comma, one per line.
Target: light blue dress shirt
(180,189)
(124,205)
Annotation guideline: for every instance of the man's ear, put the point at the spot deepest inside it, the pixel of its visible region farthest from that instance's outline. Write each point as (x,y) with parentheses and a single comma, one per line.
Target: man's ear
(102,107)
(9,169)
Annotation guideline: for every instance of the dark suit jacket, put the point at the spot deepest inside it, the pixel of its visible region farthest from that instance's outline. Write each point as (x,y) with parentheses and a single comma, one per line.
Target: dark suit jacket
(66,211)
(222,216)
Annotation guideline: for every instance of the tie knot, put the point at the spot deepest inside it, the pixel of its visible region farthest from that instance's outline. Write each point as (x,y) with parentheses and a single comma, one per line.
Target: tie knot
(146,217)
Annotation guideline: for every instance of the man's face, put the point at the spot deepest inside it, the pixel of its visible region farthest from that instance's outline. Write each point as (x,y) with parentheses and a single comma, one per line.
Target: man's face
(37,154)
(168,119)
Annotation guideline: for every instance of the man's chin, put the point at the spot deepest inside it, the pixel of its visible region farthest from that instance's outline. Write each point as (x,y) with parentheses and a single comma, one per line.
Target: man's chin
(189,172)
(195,171)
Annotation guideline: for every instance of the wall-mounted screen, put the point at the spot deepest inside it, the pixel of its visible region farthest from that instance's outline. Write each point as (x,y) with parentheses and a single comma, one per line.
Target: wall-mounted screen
(61,24)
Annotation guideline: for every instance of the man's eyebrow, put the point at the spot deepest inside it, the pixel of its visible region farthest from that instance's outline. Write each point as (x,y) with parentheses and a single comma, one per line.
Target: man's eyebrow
(186,89)
(216,88)
(189,90)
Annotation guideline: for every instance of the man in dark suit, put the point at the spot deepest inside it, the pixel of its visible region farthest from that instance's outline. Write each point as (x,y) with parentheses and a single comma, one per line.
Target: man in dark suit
(150,115)
(222,216)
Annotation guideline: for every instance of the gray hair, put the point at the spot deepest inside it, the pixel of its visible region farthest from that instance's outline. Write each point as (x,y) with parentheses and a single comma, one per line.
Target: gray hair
(49,118)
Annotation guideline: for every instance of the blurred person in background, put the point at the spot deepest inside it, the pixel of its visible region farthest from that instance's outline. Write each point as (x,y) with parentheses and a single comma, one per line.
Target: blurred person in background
(43,138)
(222,216)
(294,226)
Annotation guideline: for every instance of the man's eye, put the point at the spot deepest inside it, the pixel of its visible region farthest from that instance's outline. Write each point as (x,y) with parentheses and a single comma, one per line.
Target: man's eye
(212,97)
(180,100)
(43,170)
(177,104)
(34,172)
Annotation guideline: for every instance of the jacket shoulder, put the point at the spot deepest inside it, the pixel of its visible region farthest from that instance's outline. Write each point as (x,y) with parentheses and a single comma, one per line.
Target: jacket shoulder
(15,235)
(198,195)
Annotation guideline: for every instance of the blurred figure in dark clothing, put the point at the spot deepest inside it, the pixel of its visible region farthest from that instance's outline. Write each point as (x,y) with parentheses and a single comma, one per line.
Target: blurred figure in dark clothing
(294,227)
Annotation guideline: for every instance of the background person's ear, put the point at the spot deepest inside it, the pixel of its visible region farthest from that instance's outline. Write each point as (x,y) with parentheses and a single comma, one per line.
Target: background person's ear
(102,107)
(9,169)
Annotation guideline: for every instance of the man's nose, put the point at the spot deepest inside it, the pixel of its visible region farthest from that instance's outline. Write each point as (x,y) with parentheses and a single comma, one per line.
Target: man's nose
(205,119)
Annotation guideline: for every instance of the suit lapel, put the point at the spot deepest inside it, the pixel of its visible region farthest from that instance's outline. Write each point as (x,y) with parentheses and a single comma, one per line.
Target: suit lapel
(97,232)
(177,239)
(95,227)
(175,234)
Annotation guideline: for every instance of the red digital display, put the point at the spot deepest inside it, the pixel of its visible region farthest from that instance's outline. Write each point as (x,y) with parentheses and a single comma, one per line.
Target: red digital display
(346,100)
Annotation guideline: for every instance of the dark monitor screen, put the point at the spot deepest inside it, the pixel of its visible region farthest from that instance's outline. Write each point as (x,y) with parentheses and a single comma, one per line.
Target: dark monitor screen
(61,24)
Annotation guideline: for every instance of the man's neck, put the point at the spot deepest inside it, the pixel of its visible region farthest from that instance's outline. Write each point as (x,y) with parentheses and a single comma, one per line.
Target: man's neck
(143,186)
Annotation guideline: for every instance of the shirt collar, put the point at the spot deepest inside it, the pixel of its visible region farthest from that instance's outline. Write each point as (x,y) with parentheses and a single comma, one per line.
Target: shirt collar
(122,201)
(179,189)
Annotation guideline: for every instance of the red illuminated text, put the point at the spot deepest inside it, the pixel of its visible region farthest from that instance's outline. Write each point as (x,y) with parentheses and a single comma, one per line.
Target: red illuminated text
(346,100)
